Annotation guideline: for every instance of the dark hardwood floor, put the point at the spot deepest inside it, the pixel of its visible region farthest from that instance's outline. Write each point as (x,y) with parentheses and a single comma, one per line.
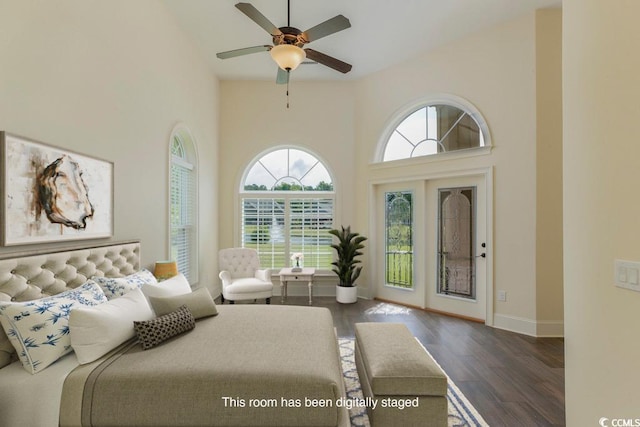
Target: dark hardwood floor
(511,379)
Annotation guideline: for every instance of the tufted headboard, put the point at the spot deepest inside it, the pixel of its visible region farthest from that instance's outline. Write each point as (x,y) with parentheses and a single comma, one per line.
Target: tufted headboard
(33,276)
(29,276)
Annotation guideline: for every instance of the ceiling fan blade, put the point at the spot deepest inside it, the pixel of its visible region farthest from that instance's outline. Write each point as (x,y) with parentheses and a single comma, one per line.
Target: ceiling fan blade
(328,27)
(327,60)
(244,51)
(282,78)
(257,17)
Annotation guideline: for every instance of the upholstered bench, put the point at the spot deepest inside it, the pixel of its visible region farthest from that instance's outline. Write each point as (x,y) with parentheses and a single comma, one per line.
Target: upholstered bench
(409,387)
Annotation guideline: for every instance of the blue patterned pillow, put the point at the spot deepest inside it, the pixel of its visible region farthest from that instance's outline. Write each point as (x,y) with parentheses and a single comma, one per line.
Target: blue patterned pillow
(39,329)
(116,287)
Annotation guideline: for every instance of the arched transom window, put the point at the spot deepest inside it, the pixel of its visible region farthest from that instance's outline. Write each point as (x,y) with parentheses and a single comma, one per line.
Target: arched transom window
(287,205)
(434,129)
(288,169)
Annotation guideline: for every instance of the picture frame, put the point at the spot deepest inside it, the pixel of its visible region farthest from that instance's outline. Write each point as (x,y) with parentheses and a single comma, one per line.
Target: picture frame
(51,194)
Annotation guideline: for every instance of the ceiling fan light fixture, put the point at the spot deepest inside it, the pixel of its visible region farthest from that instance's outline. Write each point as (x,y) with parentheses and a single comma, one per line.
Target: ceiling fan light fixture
(288,56)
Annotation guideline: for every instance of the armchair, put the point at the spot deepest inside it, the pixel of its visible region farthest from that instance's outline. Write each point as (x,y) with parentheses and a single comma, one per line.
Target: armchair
(241,275)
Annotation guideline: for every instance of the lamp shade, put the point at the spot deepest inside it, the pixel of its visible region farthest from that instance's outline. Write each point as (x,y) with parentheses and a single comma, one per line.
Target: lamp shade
(287,56)
(165,269)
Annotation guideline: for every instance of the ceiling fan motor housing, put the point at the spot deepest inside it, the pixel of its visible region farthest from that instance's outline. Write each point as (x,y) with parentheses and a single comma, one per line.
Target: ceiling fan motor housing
(289,35)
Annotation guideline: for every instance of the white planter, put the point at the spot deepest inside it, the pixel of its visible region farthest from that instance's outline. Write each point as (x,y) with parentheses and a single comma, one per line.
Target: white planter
(346,295)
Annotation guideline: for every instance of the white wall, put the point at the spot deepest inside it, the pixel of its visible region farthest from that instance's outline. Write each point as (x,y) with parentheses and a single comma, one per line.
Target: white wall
(601,208)
(495,70)
(111,80)
(254,119)
(549,286)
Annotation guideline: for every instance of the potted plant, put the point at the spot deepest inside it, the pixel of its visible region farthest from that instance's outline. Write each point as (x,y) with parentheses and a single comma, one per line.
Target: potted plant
(347,248)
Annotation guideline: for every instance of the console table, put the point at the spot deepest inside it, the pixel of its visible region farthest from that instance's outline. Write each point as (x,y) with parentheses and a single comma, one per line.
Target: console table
(305,275)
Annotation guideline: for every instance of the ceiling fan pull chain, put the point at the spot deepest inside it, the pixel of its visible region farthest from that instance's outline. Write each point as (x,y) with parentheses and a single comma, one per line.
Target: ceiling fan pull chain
(288,89)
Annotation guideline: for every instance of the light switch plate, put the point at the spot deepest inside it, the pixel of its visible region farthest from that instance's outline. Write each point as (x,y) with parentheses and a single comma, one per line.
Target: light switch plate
(626,274)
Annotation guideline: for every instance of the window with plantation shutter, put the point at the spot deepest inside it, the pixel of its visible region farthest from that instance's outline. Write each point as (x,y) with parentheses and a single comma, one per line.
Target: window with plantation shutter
(287,206)
(311,219)
(263,222)
(183,205)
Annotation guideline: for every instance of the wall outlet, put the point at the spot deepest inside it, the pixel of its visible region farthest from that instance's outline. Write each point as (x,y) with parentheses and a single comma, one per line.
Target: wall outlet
(502,295)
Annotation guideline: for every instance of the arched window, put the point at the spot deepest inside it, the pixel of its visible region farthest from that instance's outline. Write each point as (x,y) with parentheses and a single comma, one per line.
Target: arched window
(183,197)
(287,204)
(433,128)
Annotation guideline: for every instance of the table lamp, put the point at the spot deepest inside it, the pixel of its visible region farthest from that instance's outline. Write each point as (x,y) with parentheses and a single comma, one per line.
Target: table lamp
(165,269)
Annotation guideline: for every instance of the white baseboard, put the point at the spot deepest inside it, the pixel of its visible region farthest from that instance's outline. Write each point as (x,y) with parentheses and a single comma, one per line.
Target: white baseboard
(515,324)
(520,325)
(538,329)
(551,329)
(319,290)
(301,290)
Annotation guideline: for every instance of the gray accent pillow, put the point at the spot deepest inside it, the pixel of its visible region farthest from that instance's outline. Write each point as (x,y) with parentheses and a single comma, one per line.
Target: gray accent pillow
(155,331)
(199,303)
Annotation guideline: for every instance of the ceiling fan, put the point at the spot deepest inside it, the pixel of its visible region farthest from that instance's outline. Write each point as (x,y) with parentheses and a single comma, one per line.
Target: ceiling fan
(287,50)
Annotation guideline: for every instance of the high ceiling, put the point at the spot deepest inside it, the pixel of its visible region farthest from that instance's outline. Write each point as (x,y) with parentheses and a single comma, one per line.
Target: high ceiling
(382,33)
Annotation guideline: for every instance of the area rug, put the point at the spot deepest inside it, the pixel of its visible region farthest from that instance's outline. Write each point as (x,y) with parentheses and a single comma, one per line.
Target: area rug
(461,412)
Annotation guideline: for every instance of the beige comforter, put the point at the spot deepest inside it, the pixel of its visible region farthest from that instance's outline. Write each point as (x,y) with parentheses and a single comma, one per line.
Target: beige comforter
(250,365)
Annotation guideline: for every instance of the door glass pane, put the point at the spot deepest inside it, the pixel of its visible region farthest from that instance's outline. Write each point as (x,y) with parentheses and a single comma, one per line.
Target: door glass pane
(399,239)
(456,230)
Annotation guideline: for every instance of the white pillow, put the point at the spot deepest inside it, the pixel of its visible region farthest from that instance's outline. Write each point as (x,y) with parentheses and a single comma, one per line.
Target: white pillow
(177,285)
(97,330)
(116,287)
(39,329)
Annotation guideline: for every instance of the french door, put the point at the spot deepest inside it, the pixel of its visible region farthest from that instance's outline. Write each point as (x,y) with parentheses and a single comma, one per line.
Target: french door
(457,253)
(431,245)
(398,243)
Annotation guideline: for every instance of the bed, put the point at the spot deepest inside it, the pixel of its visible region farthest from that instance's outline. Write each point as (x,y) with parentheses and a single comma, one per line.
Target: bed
(249,365)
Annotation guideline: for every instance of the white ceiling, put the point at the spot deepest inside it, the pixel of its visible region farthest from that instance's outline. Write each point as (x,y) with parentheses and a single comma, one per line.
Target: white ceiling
(382,33)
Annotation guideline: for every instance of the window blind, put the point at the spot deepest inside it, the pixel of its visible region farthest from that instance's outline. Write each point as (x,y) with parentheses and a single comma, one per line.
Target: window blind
(183,217)
(311,220)
(278,227)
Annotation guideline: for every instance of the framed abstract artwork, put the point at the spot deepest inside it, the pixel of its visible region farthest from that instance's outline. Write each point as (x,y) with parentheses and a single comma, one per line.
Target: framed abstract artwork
(50,194)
